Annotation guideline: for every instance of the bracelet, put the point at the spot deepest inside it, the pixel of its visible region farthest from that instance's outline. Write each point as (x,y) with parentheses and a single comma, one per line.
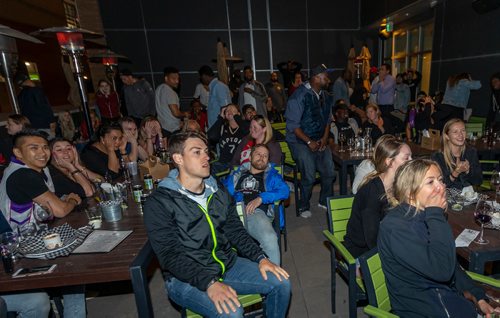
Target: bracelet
(75,172)
(213,281)
(123,154)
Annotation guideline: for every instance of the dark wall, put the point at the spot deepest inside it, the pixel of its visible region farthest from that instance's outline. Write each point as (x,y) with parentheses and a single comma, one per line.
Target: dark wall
(465,41)
(154,34)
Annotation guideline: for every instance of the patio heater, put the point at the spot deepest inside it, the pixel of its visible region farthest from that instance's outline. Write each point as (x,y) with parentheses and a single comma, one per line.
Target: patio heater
(9,58)
(71,43)
(110,60)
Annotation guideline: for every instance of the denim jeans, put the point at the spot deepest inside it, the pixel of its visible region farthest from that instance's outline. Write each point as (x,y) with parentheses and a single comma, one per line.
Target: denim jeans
(245,278)
(260,228)
(308,163)
(28,305)
(74,301)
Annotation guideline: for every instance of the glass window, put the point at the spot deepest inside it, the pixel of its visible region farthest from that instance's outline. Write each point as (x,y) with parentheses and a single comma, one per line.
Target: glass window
(399,44)
(388,48)
(427,31)
(426,73)
(414,41)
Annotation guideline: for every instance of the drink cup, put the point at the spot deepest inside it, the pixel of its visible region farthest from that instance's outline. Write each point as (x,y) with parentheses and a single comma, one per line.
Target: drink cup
(132,168)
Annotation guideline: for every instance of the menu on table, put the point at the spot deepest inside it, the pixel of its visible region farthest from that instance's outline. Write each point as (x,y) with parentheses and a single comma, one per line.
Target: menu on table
(102,241)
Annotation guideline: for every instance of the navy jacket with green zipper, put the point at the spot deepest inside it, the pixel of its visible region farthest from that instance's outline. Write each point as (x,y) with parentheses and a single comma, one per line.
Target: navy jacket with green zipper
(193,245)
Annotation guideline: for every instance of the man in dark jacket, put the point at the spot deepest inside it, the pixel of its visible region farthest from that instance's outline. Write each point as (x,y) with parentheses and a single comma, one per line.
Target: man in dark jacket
(258,185)
(193,226)
(308,116)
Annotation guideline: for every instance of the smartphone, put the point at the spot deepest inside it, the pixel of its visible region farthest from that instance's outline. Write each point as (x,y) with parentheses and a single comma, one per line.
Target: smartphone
(34,271)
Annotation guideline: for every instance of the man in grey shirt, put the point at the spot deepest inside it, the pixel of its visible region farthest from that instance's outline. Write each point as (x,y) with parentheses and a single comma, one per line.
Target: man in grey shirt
(167,102)
(139,96)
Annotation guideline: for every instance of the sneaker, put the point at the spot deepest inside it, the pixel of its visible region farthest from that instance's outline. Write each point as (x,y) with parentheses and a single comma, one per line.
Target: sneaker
(290,186)
(321,206)
(306,214)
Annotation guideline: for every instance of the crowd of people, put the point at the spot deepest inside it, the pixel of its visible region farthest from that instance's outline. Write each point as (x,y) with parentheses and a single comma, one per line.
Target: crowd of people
(226,135)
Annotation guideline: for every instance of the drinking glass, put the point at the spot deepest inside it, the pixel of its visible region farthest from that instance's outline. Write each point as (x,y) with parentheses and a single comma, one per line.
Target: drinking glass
(351,142)
(43,215)
(342,140)
(482,215)
(495,183)
(10,241)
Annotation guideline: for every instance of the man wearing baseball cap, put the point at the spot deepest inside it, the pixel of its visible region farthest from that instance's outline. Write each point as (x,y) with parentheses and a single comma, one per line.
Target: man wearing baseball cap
(308,115)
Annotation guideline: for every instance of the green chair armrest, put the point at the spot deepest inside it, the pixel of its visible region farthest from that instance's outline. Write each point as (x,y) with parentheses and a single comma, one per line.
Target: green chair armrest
(339,247)
(493,282)
(377,312)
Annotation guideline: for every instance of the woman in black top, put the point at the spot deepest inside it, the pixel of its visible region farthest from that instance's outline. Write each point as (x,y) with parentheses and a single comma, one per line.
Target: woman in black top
(370,202)
(67,172)
(379,125)
(459,163)
(417,250)
(103,156)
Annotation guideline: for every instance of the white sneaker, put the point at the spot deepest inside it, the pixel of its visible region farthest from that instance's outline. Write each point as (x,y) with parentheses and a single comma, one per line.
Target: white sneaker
(306,214)
(321,206)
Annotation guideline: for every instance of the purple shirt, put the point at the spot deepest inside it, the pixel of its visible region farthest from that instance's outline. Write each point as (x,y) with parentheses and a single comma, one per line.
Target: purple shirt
(385,90)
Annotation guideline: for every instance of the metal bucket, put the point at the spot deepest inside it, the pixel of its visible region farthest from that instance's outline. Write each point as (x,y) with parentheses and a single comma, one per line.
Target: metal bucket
(111,210)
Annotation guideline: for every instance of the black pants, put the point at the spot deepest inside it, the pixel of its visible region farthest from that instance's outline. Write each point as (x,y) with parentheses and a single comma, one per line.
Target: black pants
(386,109)
(446,112)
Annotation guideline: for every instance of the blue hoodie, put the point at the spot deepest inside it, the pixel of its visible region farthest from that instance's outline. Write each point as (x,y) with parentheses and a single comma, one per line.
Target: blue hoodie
(275,187)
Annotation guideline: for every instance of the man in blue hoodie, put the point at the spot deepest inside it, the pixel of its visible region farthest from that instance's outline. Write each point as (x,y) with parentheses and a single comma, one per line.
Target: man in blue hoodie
(193,225)
(258,185)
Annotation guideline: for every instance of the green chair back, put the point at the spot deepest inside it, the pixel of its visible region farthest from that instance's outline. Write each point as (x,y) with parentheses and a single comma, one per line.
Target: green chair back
(280,127)
(476,119)
(341,260)
(487,166)
(474,128)
(287,153)
(374,279)
(339,212)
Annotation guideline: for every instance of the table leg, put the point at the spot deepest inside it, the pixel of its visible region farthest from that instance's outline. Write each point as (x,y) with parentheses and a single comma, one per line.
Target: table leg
(343,179)
(476,263)
(139,280)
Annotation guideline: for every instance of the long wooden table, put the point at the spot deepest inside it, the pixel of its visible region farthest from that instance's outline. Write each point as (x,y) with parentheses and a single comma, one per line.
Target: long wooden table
(347,158)
(477,255)
(127,261)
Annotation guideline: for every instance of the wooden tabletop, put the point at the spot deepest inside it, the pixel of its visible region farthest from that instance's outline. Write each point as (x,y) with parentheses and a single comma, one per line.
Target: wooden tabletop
(465,220)
(353,156)
(78,269)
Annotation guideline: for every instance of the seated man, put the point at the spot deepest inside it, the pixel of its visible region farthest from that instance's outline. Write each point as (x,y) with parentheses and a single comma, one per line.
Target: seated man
(342,123)
(27,185)
(258,185)
(193,226)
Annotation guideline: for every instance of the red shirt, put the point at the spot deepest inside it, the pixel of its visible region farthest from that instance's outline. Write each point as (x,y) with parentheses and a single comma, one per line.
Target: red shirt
(109,106)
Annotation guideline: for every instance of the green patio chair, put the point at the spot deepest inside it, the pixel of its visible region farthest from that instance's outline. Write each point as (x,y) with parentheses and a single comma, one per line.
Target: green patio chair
(339,212)
(487,166)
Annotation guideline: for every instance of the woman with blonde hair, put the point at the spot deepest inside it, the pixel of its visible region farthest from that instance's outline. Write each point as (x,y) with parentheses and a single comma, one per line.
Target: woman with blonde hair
(371,200)
(459,163)
(261,132)
(67,125)
(417,250)
(378,124)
